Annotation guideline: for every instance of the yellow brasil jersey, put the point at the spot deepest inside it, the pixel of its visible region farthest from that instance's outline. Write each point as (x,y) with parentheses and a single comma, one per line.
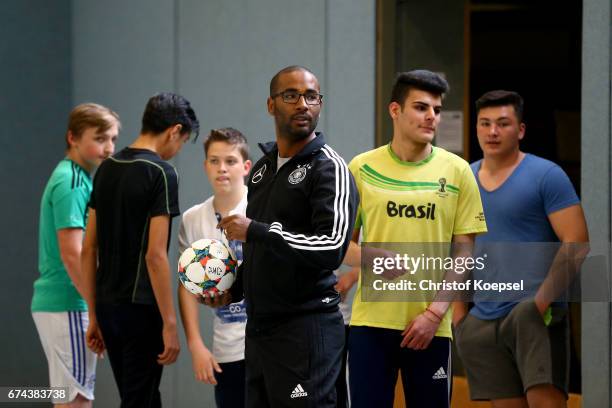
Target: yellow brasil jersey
(426,201)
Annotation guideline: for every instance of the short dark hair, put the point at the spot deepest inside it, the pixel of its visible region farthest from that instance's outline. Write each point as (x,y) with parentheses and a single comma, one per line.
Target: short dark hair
(420,79)
(167,109)
(286,70)
(500,97)
(230,136)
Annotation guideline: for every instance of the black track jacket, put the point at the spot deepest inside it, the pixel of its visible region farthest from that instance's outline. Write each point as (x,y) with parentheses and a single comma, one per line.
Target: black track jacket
(302,222)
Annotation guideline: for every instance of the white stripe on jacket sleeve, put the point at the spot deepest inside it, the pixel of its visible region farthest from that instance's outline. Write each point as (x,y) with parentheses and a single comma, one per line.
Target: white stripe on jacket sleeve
(341,213)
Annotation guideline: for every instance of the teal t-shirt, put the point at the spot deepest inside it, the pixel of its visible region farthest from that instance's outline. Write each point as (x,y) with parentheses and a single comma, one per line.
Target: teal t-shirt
(63,205)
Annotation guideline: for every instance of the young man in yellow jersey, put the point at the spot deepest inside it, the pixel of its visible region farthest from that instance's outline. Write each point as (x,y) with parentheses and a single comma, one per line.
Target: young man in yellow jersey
(395,182)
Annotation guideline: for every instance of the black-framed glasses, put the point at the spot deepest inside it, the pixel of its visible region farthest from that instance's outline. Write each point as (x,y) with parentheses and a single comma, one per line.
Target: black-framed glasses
(292,97)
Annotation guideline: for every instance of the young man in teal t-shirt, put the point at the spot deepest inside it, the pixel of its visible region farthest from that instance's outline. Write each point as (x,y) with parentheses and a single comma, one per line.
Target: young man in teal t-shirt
(58,309)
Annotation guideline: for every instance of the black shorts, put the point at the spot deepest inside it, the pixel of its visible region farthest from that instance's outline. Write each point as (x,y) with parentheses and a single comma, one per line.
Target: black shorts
(296,363)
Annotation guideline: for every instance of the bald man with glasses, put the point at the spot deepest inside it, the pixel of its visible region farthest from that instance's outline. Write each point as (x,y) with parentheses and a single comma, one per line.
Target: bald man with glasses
(299,220)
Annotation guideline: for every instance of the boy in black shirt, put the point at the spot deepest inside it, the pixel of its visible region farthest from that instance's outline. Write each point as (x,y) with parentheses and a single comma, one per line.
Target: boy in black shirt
(129,292)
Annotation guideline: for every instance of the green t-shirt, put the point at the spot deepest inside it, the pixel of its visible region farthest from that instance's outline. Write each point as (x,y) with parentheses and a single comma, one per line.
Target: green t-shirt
(63,205)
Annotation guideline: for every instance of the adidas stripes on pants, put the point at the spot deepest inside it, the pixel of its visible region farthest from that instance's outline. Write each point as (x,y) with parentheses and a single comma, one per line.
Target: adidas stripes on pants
(374,359)
(295,363)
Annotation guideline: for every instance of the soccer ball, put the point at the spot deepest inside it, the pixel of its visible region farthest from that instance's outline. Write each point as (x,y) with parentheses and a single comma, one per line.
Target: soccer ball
(207,267)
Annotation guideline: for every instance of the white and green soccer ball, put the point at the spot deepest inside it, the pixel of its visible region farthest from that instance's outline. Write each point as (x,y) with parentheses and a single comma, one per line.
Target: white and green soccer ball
(207,267)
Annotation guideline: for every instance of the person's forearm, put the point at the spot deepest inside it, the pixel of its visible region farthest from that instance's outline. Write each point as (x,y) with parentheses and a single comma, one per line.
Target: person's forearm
(190,315)
(462,247)
(352,277)
(460,309)
(571,229)
(72,264)
(563,270)
(70,245)
(88,277)
(159,274)
(353,255)
(439,307)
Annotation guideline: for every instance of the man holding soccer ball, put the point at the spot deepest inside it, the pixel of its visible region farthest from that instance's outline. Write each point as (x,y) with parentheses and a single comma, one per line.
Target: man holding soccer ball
(301,210)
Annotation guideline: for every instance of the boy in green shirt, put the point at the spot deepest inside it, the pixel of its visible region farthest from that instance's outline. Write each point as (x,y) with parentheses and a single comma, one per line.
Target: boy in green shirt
(58,309)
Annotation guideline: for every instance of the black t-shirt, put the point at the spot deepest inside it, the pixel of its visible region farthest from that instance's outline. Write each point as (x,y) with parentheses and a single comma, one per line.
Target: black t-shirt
(129,188)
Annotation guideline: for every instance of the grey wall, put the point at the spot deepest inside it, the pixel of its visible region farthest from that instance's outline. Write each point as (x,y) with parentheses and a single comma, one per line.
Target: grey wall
(123,52)
(422,42)
(229,52)
(434,45)
(221,56)
(596,192)
(34,104)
